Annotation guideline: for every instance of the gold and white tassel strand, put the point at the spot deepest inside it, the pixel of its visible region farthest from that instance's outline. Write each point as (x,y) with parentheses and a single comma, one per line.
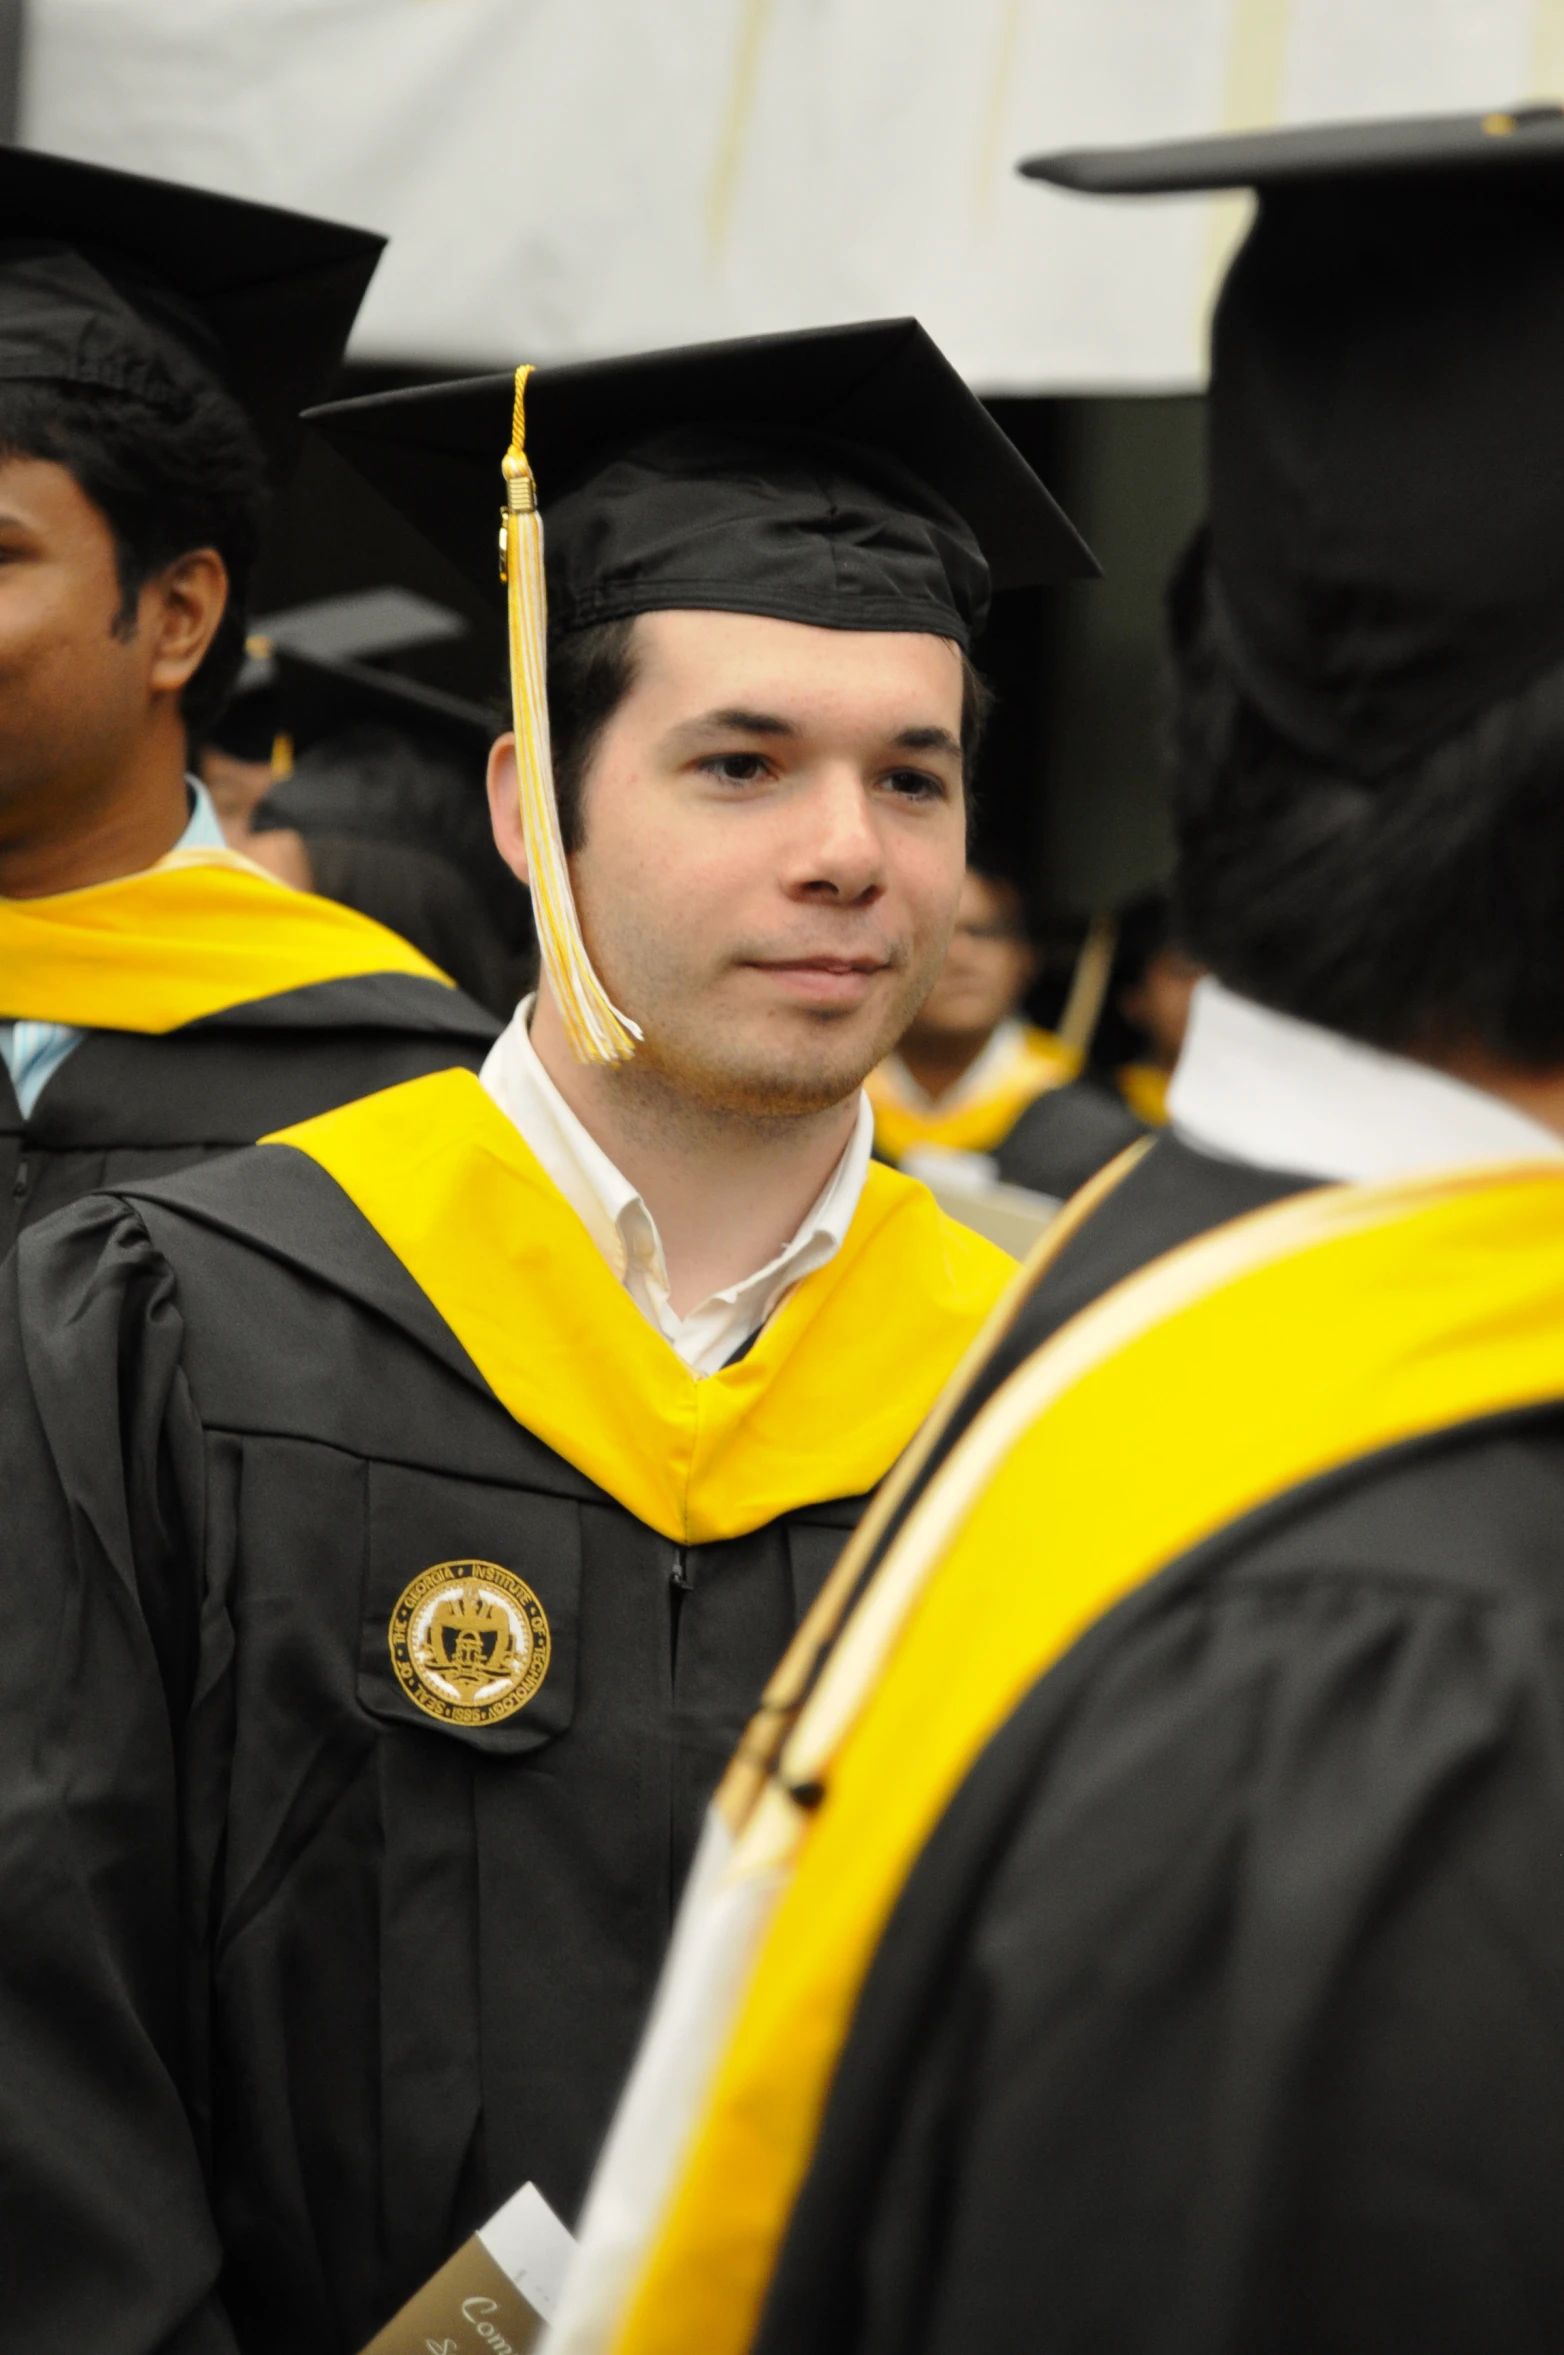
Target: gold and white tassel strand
(596,1030)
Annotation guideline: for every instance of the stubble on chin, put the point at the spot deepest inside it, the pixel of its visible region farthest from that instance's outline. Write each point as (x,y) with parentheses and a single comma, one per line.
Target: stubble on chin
(748,1082)
(806,1064)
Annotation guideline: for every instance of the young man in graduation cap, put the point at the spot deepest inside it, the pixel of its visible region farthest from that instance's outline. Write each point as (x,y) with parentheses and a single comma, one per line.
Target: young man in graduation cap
(406,1515)
(1136,1920)
(160,1001)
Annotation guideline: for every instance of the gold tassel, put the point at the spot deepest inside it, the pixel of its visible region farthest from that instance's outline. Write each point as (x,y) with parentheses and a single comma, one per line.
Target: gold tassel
(596,1030)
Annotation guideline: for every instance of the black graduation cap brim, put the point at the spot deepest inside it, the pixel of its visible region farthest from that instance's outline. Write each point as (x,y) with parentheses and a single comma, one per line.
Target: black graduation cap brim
(885,386)
(317,699)
(279,290)
(1411,145)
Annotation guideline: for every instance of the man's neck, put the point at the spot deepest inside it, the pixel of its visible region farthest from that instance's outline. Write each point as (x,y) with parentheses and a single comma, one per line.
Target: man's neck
(117,826)
(727,1190)
(938,1059)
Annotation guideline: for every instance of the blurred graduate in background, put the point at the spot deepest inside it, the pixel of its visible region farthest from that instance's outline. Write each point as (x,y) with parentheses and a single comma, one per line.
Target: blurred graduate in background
(384,810)
(1136,1045)
(975,1094)
(343,776)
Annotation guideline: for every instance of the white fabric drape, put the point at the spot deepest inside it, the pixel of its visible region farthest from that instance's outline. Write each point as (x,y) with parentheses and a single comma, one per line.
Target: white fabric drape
(569,177)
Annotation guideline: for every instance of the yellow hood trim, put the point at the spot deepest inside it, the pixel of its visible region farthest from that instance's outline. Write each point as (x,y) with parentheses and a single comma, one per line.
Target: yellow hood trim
(821,1407)
(197,934)
(1144,1087)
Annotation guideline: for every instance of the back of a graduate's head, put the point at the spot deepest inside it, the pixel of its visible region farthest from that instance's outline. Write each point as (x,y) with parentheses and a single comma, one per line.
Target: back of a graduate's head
(167,480)
(1420,912)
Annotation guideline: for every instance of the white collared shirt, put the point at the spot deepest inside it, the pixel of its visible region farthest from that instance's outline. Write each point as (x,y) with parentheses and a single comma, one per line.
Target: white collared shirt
(624,1230)
(1281,1094)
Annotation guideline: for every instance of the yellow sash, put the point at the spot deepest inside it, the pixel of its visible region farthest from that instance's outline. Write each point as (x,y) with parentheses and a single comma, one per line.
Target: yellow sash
(979,1123)
(823,1404)
(1291,1343)
(1145,1090)
(198,933)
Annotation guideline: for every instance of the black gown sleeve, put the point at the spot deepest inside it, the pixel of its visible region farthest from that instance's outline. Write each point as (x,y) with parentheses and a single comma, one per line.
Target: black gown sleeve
(106,2237)
(1225,2011)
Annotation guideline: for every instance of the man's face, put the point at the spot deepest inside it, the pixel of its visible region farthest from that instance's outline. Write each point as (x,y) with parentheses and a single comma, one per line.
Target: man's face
(987,970)
(77,684)
(1158,1003)
(774,839)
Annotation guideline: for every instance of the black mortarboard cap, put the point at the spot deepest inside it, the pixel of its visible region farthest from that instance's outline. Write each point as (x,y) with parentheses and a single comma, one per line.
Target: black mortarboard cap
(844,476)
(1386,438)
(145,287)
(331,630)
(360,624)
(318,699)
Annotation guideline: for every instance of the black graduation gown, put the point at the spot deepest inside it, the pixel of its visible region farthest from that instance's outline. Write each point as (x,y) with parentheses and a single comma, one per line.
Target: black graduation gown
(1064,1137)
(1224,2010)
(298,1983)
(126,1105)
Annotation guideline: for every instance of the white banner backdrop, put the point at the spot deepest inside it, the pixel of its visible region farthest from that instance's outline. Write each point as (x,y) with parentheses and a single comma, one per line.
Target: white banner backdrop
(562,178)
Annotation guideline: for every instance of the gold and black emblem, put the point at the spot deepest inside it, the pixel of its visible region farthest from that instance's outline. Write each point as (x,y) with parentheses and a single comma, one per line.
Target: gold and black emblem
(469,1642)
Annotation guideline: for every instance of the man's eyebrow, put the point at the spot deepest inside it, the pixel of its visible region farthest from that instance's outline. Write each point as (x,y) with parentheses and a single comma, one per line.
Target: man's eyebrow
(734,720)
(927,740)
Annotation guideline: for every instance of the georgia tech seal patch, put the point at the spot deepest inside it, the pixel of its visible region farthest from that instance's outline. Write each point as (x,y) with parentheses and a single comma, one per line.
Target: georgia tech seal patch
(469,1642)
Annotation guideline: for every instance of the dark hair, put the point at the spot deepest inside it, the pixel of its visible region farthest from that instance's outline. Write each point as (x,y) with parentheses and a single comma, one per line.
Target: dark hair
(1422,913)
(1025,916)
(165,482)
(591,671)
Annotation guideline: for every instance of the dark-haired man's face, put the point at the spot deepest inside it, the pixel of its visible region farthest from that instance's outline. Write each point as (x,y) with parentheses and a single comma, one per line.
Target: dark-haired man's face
(774,839)
(91,742)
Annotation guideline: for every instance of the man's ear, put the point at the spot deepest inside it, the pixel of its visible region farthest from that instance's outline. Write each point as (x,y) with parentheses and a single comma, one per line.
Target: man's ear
(505,808)
(180,613)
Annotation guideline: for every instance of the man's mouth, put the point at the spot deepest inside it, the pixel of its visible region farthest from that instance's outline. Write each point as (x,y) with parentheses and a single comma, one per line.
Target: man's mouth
(823,981)
(865,964)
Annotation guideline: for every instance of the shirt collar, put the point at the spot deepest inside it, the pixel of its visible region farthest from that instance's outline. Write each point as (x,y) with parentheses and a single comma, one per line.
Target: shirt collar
(597,1192)
(1265,1088)
(624,1230)
(204,830)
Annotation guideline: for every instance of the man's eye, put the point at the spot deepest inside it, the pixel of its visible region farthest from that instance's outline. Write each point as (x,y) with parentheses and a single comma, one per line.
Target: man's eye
(915,784)
(737,768)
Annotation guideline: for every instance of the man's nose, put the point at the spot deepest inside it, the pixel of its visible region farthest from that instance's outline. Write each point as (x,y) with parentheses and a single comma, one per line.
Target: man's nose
(840,852)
